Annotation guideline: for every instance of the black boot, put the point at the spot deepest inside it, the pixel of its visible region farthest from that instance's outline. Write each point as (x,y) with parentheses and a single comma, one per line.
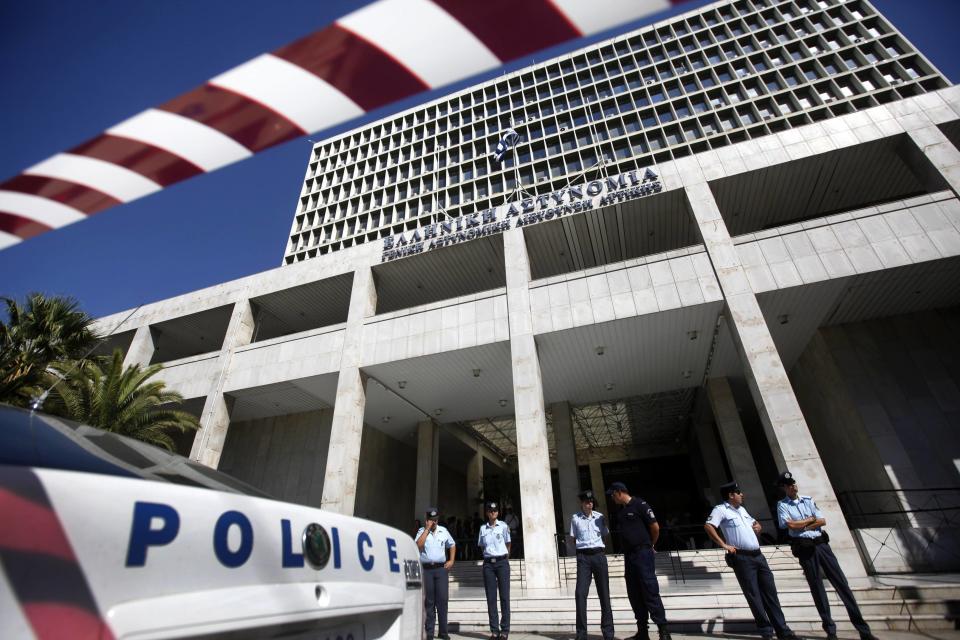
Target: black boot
(664,632)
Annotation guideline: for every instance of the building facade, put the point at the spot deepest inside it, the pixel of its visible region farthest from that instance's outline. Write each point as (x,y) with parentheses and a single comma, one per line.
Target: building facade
(725,245)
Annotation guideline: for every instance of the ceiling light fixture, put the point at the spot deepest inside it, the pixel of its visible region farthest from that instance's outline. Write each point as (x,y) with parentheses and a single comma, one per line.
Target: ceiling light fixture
(600,350)
(692,335)
(502,402)
(402,384)
(687,373)
(609,386)
(476,373)
(783,318)
(385,419)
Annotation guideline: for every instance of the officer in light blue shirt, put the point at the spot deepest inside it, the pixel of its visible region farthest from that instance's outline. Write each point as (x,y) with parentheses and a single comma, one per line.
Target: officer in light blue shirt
(804,523)
(588,528)
(753,573)
(437,553)
(494,540)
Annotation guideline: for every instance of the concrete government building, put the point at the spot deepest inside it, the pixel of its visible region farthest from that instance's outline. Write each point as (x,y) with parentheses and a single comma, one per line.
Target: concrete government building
(725,245)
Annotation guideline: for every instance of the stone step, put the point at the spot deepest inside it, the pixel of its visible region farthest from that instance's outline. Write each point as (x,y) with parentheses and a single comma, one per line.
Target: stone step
(885,607)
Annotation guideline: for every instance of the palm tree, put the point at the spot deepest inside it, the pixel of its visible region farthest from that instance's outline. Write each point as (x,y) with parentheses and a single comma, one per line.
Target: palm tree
(42,331)
(102,393)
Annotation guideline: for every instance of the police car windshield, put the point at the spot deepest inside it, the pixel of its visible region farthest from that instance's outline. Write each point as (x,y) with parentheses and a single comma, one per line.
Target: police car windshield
(47,442)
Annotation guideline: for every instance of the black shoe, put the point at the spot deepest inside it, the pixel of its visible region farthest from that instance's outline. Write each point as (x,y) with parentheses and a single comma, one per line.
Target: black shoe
(833,636)
(640,635)
(868,636)
(444,636)
(664,633)
(495,636)
(788,635)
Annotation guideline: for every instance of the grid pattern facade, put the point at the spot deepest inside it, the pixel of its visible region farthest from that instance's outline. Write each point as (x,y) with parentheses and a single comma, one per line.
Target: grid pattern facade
(722,74)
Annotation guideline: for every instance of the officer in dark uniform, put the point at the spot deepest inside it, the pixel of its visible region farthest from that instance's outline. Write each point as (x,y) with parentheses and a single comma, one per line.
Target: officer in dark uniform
(810,544)
(494,539)
(639,530)
(588,528)
(753,573)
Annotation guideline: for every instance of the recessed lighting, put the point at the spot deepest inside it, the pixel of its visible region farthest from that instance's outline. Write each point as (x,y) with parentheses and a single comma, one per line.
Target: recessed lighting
(600,350)
(502,402)
(476,373)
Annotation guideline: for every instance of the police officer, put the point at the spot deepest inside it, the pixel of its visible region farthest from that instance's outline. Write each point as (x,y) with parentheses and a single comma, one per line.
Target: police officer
(494,540)
(588,528)
(639,530)
(810,544)
(437,553)
(753,573)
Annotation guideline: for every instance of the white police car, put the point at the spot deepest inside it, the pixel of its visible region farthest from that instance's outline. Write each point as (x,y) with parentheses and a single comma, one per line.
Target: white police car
(106,537)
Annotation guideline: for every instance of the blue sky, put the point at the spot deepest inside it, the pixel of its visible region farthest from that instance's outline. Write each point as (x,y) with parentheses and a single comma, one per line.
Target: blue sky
(70,70)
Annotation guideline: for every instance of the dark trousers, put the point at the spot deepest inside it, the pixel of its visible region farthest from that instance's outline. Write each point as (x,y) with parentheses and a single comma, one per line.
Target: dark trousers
(593,567)
(640,571)
(756,581)
(496,579)
(435,597)
(818,562)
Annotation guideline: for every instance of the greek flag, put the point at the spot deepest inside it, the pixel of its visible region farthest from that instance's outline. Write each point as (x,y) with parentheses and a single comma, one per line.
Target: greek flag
(507,139)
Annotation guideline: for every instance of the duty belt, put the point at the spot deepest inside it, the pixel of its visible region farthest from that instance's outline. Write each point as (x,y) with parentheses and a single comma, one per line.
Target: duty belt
(494,559)
(591,551)
(749,552)
(433,565)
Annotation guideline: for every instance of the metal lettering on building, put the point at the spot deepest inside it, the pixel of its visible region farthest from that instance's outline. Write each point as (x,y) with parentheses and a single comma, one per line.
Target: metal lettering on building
(570,200)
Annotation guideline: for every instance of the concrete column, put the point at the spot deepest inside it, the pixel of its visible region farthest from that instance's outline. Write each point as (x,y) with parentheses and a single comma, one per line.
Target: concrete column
(737,449)
(141,348)
(533,457)
(215,419)
(939,151)
(566,466)
(475,484)
(346,431)
(428,466)
(783,422)
(710,452)
(599,490)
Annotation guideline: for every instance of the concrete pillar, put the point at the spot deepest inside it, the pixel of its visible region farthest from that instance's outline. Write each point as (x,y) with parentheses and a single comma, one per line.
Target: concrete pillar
(783,422)
(566,467)
(428,466)
(710,451)
(141,348)
(737,449)
(346,431)
(215,418)
(599,490)
(939,151)
(533,453)
(475,484)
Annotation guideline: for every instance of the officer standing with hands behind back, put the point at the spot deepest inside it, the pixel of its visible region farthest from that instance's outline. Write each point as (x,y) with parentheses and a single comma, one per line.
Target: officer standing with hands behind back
(810,544)
(639,530)
(588,528)
(437,553)
(494,540)
(753,573)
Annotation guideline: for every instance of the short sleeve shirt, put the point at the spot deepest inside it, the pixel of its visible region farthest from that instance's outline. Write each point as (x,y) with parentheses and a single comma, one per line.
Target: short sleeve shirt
(588,531)
(494,539)
(633,523)
(736,525)
(800,509)
(436,545)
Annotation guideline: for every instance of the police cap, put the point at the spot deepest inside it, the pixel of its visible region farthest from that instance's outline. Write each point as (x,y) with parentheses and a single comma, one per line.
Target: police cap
(586,495)
(727,489)
(616,486)
(491,506)
(432,513)
(785,479)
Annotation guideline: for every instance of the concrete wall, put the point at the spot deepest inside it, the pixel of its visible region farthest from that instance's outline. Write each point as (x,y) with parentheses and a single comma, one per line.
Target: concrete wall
(386,480)
(893,385)
(286,456)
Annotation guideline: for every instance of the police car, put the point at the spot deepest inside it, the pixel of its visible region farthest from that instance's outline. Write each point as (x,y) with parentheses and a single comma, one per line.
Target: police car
(106,537)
